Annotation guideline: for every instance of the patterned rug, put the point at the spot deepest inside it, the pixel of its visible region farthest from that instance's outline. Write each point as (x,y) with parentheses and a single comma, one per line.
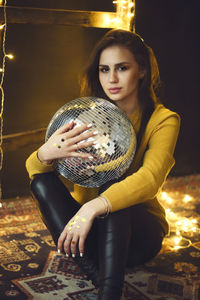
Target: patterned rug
(30,267)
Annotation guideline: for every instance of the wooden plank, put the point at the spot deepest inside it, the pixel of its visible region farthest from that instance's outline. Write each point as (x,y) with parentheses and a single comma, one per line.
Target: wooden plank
(39,16)
(13,142)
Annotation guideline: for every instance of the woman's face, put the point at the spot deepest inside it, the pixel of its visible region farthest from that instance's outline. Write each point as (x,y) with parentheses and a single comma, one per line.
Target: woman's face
(119,75)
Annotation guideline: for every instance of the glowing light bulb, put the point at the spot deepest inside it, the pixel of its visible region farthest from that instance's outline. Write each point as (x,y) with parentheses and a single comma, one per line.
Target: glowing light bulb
(177,247)
(169,200)
(187,198)
(164,195)
(1,70)
(1,204)
(185,228)
(130,15)
(177,240)
(10,56)
(171,215)
(186,222)
(194,221)
(2,26)
(178,223)
(130,5)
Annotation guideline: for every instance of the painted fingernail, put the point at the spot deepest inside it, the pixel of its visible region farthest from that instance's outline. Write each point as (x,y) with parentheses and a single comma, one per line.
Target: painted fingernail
(89,125)
(73,255)
(95,132)
(91,157)
(91,139)
(83,141)
(81,254)
(58,251)
(96,145)
(67,255)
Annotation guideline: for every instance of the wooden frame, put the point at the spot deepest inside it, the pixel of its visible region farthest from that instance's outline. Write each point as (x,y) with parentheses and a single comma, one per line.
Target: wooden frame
(39,16)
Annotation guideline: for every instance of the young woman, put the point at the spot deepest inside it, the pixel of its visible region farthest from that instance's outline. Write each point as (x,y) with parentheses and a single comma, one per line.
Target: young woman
(122,69)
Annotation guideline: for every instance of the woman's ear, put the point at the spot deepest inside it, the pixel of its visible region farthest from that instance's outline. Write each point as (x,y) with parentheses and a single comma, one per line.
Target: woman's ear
(142,73)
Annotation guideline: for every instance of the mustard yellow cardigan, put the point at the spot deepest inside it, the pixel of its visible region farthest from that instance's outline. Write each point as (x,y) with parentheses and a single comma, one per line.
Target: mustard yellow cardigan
(147,173)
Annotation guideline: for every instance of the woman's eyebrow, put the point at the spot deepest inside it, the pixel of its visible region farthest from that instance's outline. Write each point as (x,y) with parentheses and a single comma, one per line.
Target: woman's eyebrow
(119,64)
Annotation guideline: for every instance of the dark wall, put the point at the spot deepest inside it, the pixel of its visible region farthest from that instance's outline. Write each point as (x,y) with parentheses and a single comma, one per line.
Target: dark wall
(48,59)
(172,29)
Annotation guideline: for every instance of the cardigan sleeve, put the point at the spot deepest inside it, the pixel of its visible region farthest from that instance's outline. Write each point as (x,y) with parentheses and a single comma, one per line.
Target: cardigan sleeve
(35,166)
(158,160)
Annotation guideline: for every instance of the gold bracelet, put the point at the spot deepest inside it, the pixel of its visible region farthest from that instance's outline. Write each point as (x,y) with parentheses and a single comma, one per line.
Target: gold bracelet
(107,207)
(44,163)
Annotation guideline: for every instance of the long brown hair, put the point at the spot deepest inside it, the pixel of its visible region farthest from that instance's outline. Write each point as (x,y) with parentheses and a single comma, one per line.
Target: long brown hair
(144,56)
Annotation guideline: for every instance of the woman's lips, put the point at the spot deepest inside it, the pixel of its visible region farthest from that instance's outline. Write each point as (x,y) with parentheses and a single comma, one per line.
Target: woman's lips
(114,90)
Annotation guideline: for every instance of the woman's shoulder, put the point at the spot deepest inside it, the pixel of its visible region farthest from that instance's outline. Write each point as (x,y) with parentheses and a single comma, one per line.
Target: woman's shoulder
(162,116)
(161,113)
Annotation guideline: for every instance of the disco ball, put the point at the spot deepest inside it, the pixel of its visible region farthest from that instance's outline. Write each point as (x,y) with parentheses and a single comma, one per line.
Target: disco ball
(116,141)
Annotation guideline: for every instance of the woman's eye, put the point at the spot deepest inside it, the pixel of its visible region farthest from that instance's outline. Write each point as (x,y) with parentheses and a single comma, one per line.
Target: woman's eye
(122,68)
(104,69)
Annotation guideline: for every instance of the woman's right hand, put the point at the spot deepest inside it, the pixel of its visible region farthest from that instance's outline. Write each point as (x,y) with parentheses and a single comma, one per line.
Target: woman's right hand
(66,141)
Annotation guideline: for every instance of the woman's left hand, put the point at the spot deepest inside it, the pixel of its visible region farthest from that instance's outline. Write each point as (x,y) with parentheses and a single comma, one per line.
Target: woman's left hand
(76,231)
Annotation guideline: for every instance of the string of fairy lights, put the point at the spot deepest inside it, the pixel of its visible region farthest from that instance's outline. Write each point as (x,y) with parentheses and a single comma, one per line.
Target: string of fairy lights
(3,28)
(183,224)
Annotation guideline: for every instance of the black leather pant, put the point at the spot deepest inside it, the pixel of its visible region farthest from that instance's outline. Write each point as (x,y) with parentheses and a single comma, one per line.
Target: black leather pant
(130,236)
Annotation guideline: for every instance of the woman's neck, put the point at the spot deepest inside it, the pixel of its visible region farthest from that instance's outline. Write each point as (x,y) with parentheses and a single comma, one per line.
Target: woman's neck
(128,107)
